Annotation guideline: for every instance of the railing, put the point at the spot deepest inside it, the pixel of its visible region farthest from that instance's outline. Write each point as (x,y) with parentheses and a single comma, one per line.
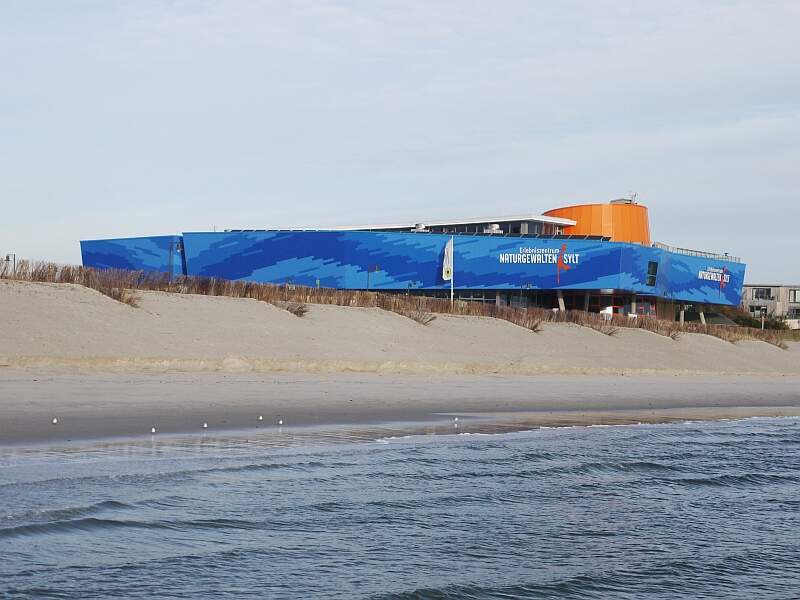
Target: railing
(541,236)
(688,252)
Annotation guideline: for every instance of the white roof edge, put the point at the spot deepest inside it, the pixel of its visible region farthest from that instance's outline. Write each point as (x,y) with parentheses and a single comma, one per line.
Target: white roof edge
(437,223)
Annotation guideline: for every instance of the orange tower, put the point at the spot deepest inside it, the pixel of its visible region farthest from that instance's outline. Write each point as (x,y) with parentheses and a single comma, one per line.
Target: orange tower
(620,220)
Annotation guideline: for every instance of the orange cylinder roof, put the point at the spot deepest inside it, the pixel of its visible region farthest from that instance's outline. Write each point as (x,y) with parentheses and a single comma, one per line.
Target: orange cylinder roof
(620,222)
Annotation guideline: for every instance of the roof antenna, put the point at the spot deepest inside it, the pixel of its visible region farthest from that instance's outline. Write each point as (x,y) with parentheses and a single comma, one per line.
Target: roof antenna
(633,196)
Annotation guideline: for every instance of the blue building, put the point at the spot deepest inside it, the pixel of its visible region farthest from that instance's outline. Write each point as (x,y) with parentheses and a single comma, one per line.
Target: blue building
(524,260)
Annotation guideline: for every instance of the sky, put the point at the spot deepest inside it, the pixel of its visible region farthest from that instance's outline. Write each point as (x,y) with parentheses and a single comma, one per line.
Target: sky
(144,118)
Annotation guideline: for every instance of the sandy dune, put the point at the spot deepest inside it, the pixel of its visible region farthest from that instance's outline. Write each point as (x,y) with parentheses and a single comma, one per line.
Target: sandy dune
(64,326)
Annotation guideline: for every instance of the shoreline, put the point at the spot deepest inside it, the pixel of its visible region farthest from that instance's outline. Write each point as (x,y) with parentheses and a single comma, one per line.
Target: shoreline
(108,406)
(468,424)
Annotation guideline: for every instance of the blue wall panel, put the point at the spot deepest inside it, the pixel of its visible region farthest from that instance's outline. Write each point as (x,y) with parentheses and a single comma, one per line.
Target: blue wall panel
(696,279)
(410,260)
(159,253)
(403,260)
(341,259)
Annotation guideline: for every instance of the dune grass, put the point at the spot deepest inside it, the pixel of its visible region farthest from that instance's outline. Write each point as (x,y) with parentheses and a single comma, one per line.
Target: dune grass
(298,309)
(420,316)
(122,285)
(792,335)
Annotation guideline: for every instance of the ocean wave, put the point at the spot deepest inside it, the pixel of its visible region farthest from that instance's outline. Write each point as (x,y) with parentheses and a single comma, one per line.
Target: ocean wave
(746,479)
(480,470)
(88,524)
(176,475)
(620,467)
(580,586)
(73,525)
(58,514)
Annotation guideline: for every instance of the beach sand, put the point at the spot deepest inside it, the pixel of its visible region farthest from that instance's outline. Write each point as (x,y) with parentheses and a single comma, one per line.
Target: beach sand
(106,370)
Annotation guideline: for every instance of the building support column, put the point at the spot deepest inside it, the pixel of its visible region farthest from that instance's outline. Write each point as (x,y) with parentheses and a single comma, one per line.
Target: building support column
(560,295)
(702,315)
(633,304)
(683,313)
(586,302)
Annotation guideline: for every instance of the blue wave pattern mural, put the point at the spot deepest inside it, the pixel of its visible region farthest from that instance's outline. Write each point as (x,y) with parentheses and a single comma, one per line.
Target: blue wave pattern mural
(401,261)
(160,254)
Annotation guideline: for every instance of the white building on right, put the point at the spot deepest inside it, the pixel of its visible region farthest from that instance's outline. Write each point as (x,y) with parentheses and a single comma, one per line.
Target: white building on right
(781,301)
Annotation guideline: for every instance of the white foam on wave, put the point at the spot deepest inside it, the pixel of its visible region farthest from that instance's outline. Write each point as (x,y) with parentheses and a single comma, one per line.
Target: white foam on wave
(397,438)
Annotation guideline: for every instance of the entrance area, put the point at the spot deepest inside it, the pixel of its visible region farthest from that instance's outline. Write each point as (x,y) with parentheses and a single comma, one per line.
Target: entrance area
(594,301)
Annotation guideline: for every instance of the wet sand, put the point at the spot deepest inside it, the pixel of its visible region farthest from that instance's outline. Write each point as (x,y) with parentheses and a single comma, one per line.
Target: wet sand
(94,406)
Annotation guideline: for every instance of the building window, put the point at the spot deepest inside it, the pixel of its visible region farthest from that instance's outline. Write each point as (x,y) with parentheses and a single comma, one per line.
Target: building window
(762,294)
(757,310)
(794,295)
(794,313)
(652,273)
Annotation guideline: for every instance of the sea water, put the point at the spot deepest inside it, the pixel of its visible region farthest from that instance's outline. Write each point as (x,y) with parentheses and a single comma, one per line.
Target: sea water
(682,510)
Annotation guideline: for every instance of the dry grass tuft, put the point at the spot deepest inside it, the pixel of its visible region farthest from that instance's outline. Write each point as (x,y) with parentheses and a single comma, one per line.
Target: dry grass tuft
(298,309)
(608,329)
(122,286)
(128,297)
(792,335)
(420,316)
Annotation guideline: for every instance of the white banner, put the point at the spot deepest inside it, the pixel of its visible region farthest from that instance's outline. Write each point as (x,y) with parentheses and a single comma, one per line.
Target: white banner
(447,264)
